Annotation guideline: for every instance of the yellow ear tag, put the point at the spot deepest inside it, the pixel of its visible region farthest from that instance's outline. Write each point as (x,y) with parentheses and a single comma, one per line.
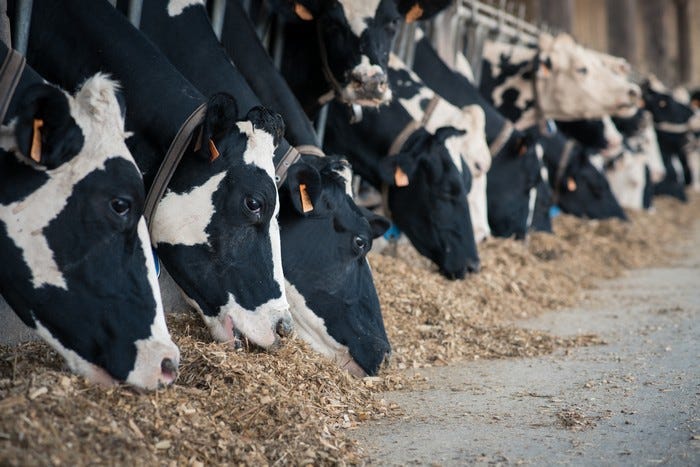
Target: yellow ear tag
(214,152)
(302,12)
(414,13)
(35,150)
(400,177)
(571,184)
(306,204)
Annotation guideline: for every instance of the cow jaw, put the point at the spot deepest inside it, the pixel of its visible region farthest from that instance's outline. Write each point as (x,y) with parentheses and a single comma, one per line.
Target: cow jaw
(311,328)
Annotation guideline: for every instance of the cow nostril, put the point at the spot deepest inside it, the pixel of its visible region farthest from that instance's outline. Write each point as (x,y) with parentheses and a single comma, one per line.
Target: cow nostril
(284,327)
(168,368)
(473,266)
(633,92)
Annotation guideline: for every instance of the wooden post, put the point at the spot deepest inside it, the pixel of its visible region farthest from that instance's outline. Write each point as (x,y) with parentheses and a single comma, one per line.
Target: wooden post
(656,51)
(684,46)
(622,29)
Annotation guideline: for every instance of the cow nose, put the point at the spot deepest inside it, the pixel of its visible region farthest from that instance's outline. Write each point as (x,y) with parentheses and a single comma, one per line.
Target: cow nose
(284,327)
(387,360)
(169,369)
(375,83)
(473,266)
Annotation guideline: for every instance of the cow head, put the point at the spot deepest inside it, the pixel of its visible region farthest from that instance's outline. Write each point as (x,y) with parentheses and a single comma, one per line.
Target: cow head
(575,83)
(355,38)
(640,139)
(627,174)
(216,228)
(666,109)
(325,240)
(512,186)
(77,260)
(434,186)
(582,189)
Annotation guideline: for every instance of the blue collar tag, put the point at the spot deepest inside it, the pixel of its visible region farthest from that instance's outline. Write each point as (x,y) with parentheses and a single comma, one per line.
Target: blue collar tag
(393,233)
(157,261)
(554,211)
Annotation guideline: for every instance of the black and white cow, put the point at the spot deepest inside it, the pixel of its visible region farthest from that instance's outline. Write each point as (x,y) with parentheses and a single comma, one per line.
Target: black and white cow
(515,166)
(341,47)
(674,123)
(332,295)
(77,260)
(559,80)
(215,228)
(579,188)
(597,134)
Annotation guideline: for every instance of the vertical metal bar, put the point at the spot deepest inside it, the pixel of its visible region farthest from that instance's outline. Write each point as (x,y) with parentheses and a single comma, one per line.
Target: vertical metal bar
(20,37)
(217,17)
(113,2)
(135,7)
(278,46)
(321,125)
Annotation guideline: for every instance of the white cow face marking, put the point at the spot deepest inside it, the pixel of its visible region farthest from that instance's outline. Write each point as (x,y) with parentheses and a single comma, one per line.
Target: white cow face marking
(357,12)
(627,178)
(82,241)
(176,7)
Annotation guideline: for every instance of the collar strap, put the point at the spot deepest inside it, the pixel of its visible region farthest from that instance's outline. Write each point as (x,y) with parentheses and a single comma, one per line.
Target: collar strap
(500,141)
(539,113)
(412,126)
(561,168)
(292,155)
(10,74)
(170,162)
(669,127)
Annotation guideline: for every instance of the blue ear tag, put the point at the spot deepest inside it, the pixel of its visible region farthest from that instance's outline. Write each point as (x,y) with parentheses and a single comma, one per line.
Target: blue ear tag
(157,261)
(551,126)
(554,211)
(393,233)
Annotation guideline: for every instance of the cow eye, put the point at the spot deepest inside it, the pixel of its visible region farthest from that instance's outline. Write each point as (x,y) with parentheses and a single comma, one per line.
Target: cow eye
(392,25)
(359,243)
(583,70)
(253,205)
(662,103)
(120,206)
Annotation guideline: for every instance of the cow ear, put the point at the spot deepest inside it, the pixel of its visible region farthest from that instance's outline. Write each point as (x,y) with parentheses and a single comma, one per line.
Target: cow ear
(219,119)
(378,224)
(414,10)
(45,131)
(271,122)
(467,178)
(304,183)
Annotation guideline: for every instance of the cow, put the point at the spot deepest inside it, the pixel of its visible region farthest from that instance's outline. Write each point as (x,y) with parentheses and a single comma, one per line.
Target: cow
(340,48)
(559,80)
(515,167)
(77,260)
(322,284)
(674,122)
(578,187)
(416,98)
(215,228)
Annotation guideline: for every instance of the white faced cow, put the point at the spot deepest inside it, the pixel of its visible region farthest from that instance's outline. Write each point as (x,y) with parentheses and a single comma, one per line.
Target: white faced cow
(559,80)
(215,227)
(77,260)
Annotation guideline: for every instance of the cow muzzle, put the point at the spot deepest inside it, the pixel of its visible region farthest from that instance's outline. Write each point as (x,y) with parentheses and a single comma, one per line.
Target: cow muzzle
(369,87)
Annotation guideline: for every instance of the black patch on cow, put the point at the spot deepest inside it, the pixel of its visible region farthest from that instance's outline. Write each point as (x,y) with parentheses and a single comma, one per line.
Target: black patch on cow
(18,180)
(321,259)
(403,85)
(489,83)
(109,304)
(590,133)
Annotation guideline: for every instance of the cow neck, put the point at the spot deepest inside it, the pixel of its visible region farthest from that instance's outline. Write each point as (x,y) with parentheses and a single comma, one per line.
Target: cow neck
(254,63)
(171,161)
(10,75)
(412,126)
(561,168)
(336,88)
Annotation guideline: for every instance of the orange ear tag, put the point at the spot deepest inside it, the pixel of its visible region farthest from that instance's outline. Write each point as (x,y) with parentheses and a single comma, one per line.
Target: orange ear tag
(302,12)
(35,150)
(400,177)
(306,204)
(414,13)
(522,150)
(571,184)
(544,71)
(214,152)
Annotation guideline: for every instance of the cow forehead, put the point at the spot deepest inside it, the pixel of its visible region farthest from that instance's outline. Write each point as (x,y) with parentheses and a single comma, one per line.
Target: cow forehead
(175,7)
(357,12)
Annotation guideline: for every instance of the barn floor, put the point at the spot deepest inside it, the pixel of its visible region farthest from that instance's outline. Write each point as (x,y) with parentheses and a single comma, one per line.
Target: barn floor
(633,401)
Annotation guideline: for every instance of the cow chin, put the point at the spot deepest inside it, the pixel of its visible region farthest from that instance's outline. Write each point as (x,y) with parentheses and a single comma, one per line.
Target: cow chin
(353,93)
